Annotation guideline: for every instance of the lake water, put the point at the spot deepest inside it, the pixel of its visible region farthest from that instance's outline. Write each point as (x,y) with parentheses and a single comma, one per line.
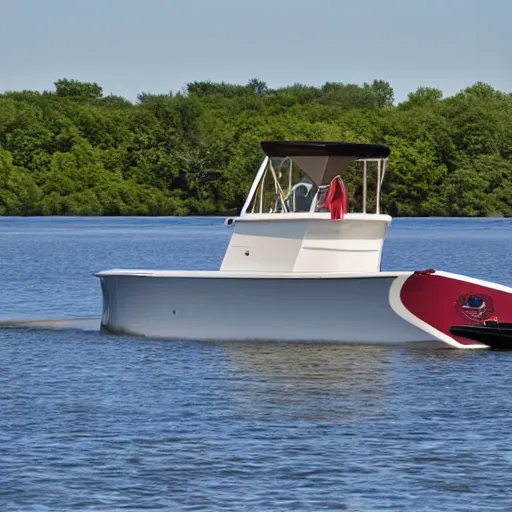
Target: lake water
(96,422)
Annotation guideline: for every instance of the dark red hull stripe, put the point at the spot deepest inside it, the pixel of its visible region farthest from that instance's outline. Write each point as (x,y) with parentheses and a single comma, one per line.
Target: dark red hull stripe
(443,302)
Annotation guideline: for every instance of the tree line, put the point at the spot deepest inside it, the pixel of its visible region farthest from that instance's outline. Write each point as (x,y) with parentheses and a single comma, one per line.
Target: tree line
(75,151)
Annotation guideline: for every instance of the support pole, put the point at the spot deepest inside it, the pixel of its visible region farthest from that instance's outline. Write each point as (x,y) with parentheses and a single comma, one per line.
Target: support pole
(377,200)
(365,164)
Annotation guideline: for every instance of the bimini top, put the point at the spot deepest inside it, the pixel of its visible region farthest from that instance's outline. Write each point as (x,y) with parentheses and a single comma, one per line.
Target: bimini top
(322,161)
(298,148)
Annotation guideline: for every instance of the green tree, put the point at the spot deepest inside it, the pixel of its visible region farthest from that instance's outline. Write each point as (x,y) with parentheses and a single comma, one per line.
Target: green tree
(76,89)
(18,190)
(423,97)
(73,151)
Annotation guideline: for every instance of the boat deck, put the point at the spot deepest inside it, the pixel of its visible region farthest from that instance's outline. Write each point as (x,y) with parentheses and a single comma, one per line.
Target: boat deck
(220,274)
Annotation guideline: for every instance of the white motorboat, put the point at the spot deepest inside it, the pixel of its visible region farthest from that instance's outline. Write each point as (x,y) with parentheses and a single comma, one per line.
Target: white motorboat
(304,265)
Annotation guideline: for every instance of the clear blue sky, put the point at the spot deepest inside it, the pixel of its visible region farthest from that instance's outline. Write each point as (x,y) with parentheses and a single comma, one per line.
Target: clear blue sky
(156,46)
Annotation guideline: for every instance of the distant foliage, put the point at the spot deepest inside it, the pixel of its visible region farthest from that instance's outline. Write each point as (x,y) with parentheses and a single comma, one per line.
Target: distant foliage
(74,88)
(74,151)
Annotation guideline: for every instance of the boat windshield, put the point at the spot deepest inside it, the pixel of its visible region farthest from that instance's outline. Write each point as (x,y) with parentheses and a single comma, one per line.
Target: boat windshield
(283,187)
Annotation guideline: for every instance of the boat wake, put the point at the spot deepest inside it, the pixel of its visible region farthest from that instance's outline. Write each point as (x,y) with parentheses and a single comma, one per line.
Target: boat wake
(75,324)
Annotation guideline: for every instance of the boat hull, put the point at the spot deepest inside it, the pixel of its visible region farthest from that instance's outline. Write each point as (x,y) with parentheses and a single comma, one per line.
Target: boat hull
(380,308)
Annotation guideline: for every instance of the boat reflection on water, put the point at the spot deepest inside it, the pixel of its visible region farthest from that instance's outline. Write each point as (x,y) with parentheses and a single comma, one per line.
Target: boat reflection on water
(312,382)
